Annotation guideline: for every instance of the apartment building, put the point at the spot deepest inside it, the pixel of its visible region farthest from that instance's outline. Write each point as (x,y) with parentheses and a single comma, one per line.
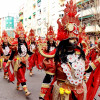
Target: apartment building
(40,14)
(89,13)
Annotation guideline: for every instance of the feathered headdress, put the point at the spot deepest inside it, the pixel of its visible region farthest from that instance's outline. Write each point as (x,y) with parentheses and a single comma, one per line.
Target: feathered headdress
(50,33)
(31,35)
(69,26)
(4,35)
(19,30)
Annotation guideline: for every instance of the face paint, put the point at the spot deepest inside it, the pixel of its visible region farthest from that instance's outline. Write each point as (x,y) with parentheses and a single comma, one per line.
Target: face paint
(22,39)
(73,42)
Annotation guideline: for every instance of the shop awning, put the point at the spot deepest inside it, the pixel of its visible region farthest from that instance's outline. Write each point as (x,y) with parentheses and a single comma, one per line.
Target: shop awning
(82,1)
(38,1)
(95,28)
(86,17)
(29,17)
(34,13)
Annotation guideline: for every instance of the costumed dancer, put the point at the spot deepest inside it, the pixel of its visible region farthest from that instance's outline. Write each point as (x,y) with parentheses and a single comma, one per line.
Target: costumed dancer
(69,58)
(20,54)
(1,60)
(5,54)
(32,47)
(39,61)
(93,67)
(47,50)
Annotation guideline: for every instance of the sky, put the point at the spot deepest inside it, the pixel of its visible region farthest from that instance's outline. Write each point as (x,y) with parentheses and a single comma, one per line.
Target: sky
(9,7)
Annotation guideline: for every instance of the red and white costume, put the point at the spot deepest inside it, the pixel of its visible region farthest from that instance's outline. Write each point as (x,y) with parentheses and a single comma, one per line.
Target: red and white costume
(5,53)
(32,47)
(20,56)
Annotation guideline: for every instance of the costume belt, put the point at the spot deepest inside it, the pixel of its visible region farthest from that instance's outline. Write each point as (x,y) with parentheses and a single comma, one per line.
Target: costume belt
(66,87)
(5,57)
(19,59)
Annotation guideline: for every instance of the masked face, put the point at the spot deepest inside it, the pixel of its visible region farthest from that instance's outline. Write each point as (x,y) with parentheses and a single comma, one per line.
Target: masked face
(22,38)
(5,40)
(51,40)
(32,39)
(73,42)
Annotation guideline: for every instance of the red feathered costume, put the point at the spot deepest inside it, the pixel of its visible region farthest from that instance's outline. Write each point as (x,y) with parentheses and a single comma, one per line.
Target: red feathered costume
(20,54)
(94,79)
(33,48)
(5,54)
(69,58)
(47,50)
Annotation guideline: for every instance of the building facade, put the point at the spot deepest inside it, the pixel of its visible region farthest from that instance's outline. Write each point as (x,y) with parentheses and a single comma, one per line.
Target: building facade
(40,14)
(8,23)
(89,13)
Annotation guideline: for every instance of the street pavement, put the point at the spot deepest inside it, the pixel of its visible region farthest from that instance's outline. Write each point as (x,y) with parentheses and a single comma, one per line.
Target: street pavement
(8,90)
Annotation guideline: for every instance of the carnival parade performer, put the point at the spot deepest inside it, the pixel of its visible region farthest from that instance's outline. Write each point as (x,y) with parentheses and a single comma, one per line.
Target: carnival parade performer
(20,54)
(5,54)
(93,67)
(48,63)
(69,58)
(32,47)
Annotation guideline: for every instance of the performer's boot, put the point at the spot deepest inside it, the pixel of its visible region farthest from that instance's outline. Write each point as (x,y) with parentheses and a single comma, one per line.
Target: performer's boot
(44,89)
(5,75)
(18,88)
(27,93)
(0,68)
(31,73)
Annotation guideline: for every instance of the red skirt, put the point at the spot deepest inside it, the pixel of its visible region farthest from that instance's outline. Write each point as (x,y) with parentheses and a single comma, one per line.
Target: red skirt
(31,61)
(4,65)
(10,73)
(21,74)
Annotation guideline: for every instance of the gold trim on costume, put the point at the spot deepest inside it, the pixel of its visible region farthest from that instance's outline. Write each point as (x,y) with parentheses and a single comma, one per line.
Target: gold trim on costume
(19,59)
(44,85)
(87,68)
(77,52)
(93,66)
(49,73)
(98,59)
(43,54)
(42,95)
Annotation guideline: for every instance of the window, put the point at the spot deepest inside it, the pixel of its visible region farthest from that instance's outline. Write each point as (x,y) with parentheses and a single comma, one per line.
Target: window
(61,15)
(39,31)
(38,3)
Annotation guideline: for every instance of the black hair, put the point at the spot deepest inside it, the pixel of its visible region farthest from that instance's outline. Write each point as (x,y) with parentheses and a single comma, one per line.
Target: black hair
(49,45)
(3,45)
(33,43)
(19,45)
(62,51)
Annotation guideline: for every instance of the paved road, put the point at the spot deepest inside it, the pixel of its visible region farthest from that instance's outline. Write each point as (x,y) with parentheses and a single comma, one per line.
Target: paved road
(8,90)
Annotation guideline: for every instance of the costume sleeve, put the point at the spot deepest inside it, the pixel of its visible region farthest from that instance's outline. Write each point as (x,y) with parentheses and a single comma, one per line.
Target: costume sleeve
(12,55)
(1,52)
(29,52)
(89,69)
(14,51)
